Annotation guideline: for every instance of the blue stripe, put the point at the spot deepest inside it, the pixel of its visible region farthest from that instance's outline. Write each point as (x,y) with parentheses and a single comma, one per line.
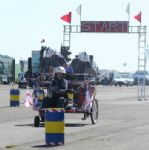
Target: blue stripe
(54,116)
(54,137)
(14,103)
(14,92)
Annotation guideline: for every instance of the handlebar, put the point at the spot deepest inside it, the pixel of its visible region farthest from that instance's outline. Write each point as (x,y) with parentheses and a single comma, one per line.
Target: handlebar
(64,91)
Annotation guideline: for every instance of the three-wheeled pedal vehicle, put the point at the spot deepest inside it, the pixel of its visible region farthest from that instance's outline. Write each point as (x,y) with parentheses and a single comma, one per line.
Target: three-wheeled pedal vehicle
(81,98)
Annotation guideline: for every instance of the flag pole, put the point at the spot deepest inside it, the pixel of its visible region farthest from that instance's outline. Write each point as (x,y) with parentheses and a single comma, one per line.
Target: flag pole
(80,13)
(128,11)
(129,16)
(70,31)
(140,17)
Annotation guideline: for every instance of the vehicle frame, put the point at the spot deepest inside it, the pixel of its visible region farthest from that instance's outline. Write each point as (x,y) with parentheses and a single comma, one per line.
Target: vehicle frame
(81,84)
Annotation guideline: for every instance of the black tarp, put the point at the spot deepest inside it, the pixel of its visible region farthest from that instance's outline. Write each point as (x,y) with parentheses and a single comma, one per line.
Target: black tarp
(82,66)
(53,61)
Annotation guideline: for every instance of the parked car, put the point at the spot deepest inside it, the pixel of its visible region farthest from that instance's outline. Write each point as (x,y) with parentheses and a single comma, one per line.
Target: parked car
(123,79)
(139,75)
(129,78)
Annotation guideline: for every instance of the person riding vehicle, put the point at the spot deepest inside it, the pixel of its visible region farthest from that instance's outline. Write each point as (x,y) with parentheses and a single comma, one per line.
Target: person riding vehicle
(58,89)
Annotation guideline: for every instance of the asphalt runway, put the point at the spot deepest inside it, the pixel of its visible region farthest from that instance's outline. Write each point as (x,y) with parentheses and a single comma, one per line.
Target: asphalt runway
(123,123)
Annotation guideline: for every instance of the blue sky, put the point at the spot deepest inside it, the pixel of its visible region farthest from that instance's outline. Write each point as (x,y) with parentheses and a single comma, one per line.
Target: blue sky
(24,23)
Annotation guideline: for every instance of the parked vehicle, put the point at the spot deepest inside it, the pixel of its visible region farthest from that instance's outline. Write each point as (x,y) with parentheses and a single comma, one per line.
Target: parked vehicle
(139,75)
(4,79)
(129,78)
(123,79)
(118,80)
(22,80)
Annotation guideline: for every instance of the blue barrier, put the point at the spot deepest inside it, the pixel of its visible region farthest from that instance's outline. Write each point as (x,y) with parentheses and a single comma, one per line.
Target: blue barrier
(14,97)
(54,126)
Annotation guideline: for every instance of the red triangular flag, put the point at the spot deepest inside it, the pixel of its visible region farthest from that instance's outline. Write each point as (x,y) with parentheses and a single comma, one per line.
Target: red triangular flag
(67,17)
(138,17)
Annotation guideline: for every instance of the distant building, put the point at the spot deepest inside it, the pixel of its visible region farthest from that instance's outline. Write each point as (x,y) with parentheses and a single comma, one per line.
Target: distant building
(35,61)
(7,67)
(18,67)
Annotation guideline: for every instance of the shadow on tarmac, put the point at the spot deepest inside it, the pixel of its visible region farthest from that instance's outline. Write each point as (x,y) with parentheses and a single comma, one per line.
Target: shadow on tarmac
(75,124)
(30,125)
(45,146)
(66,125)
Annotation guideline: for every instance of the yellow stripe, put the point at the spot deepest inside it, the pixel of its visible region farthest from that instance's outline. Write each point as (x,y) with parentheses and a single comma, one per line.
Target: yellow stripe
(14,97)
(41,97)
(54,127)
(70,95)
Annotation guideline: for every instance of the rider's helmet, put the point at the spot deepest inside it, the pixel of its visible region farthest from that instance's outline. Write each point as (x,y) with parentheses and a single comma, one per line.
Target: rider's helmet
(59,69)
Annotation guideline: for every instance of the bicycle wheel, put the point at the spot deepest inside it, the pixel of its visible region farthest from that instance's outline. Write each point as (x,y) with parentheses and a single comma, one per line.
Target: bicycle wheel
(94,112)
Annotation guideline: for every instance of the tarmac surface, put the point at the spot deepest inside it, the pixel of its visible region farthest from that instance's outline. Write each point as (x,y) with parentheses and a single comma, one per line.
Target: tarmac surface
(123,123)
